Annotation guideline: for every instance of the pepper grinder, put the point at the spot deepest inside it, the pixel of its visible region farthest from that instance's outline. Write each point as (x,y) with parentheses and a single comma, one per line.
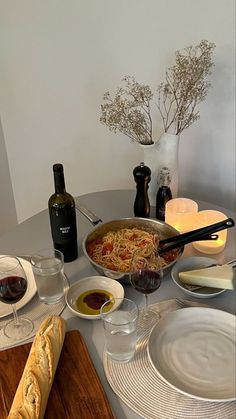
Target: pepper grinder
(142,177)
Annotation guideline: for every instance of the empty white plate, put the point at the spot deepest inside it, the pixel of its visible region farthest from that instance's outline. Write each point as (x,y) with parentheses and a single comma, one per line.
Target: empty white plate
(193,350)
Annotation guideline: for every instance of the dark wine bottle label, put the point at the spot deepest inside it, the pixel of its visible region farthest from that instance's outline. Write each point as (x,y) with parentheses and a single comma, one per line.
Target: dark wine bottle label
(63,227)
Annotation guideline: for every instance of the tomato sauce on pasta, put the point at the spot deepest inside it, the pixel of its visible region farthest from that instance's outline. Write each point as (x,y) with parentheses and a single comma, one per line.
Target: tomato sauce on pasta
(116,248)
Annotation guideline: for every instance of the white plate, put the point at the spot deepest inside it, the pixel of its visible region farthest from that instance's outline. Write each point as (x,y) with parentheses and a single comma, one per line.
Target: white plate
(195,262)
(5,309)
(90,283)
(193,350)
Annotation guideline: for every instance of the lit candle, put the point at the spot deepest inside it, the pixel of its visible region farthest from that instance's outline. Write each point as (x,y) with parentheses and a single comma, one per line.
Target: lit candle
(206,218)
(181,214)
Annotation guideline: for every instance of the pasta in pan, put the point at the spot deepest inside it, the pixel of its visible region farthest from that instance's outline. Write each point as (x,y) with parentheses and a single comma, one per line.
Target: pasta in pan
(116,248)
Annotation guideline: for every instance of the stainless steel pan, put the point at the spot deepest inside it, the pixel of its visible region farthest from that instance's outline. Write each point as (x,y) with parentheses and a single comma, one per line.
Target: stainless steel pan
(169,237)
(154,226)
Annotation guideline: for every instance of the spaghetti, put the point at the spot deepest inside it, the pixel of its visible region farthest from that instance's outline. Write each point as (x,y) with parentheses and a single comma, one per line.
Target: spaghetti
(116,248)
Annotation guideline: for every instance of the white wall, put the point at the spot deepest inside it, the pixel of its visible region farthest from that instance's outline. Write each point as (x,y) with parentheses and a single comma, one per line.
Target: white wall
(59,57)
(8,217)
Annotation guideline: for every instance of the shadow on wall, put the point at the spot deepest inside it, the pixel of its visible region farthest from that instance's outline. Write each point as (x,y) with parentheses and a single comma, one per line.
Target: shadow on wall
(8,218)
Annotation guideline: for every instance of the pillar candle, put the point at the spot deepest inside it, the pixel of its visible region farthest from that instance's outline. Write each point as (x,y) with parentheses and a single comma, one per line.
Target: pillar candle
(181,214)
(206,218)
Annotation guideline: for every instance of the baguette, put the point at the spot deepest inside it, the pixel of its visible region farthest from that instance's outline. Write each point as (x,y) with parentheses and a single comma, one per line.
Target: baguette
(34,387)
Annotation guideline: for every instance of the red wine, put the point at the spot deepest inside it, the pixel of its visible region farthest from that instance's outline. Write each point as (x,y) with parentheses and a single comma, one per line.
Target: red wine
(146,281)
(12,289)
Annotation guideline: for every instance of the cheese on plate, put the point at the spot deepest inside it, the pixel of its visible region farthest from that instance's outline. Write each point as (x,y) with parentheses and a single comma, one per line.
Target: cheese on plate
(215,277)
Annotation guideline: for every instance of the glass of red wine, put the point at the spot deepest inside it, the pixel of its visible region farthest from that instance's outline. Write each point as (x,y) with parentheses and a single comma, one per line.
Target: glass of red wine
(13,286)
(146,275)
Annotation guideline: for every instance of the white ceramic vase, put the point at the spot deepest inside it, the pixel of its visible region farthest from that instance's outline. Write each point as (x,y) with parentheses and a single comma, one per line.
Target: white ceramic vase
(163,153)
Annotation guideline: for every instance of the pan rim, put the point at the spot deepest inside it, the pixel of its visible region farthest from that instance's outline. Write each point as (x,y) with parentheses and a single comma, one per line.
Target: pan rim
(118,274)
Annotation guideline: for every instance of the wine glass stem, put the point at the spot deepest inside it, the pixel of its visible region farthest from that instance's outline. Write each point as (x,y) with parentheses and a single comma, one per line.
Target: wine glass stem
(16,320)
(146,304)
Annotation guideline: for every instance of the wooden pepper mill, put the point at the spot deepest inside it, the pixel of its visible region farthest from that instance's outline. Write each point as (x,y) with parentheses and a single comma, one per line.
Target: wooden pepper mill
(142,177)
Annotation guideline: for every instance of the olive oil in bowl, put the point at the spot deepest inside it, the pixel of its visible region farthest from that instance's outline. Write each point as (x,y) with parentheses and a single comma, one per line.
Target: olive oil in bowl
(90,302)
(87,295)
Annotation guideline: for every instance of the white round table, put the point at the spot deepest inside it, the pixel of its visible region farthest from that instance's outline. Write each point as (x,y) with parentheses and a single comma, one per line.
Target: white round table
(34,234)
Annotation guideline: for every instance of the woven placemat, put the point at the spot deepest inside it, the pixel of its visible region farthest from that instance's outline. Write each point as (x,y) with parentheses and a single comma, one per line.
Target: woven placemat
(138,385)
(36,312)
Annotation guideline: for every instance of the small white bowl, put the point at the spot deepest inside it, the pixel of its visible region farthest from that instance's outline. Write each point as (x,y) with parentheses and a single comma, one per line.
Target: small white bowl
(90,283)
(188,264)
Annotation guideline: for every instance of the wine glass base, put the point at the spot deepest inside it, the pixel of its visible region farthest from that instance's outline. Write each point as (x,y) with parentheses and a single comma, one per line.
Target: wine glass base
(149,317)
(19,330)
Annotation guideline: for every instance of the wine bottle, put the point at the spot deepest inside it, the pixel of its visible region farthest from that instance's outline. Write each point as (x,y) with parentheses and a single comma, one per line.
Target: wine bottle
(63,217)
(163,194)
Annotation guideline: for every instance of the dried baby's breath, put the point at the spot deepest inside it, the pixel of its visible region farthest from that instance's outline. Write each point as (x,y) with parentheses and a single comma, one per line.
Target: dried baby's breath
(185,86)
(129,112)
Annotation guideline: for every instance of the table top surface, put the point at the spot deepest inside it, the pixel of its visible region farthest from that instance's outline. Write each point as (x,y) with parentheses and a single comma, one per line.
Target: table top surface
(34,233)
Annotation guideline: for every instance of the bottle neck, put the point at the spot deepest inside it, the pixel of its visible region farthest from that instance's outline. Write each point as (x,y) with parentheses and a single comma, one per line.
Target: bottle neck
(59,183)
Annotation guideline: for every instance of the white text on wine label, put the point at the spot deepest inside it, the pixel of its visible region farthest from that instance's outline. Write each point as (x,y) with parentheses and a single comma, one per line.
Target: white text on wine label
(65,230)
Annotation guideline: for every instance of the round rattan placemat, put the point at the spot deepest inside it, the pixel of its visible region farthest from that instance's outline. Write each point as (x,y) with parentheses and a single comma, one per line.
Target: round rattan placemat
(139,386)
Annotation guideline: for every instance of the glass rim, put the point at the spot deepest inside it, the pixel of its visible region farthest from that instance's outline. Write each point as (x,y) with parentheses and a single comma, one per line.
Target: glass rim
(13,267)
(36,257)
(138,254)
(104,315)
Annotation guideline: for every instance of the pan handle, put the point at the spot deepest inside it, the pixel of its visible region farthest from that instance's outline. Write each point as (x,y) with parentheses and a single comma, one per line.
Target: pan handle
(94,219)
(195,235)
(205,230)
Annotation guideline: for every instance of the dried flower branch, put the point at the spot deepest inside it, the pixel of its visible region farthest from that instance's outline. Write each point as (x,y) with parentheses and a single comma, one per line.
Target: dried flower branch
(129,112)
(185,87)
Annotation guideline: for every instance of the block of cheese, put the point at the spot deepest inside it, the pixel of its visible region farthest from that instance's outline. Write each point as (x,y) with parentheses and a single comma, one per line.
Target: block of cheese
(215,277)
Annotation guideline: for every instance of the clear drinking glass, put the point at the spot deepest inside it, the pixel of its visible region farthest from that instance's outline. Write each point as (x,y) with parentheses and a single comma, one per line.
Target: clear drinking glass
(13,286)
(146,275)
(119,316)
(48,269)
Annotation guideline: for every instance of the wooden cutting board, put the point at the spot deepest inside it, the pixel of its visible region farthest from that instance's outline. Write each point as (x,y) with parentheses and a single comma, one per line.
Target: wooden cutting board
(76,391)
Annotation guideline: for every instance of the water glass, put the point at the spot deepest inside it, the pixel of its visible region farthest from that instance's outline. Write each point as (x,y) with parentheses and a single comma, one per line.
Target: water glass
(48,269)
(120,325)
